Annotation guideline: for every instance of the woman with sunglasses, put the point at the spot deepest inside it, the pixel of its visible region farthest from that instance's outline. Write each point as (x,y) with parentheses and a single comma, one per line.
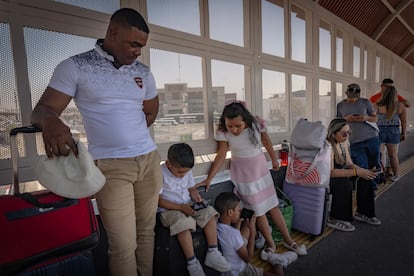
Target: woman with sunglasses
(341,186)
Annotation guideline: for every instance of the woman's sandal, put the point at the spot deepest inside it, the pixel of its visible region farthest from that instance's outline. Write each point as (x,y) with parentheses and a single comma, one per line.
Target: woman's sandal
(299,249)
(341,225)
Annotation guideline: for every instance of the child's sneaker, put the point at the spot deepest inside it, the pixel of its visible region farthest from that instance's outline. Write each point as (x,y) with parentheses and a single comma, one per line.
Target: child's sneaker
(260,241)
(284,259)
(266,253)
(215,260)
(195,269)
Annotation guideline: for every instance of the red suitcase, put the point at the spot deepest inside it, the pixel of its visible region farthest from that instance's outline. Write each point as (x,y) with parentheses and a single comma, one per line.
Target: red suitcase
(36,227)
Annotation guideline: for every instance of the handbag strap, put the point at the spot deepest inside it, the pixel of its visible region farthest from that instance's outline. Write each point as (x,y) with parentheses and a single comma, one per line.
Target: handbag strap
(285,197)
(311,167)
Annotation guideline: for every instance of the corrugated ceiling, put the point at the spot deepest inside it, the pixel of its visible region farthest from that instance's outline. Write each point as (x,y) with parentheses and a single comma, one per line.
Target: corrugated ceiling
(389,22)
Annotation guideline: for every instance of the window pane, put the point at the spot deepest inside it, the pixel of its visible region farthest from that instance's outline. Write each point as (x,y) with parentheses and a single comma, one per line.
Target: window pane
(181,116)
(325,97)
(298,102)
(10,115)
(228,83)
(365,63)
(377,69)
(226,21)
(275,105)
(298,31)
(356,61)
(339,93)
(230,76)
(106,6)
(183,15)
(339,52)
(273,28)
(45,50)
(324,45)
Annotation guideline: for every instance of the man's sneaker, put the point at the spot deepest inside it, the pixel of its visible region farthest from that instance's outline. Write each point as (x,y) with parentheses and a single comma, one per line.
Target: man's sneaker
(215,260)
(364,218)
(394,179)
(195,269)
(341,225)
(284,259)
(300,249)
(260,241)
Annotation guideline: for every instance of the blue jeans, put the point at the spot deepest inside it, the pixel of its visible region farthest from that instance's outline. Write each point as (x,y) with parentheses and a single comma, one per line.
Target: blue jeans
(366,154)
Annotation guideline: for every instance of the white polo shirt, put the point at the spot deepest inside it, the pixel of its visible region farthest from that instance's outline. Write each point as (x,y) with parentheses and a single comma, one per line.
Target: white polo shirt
(110,101)
(175,189)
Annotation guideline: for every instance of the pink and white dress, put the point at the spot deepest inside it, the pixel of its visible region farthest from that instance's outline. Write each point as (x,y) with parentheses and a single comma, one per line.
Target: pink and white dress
(249,171)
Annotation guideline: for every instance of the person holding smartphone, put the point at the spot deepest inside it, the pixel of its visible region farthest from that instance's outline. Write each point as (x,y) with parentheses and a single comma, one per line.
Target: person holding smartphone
(237,238)
(342,170)
(178,202)
(361,117)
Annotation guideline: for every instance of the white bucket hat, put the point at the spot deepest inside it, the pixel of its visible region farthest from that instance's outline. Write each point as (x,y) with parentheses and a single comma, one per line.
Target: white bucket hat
(71,176)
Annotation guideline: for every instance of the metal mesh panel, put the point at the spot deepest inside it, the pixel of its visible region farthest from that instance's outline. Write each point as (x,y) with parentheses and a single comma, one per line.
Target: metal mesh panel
(45,50)
(106,6)
(10,115)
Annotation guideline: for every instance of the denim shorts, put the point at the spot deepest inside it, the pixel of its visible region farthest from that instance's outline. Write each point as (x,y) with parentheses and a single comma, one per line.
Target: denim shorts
(389,134)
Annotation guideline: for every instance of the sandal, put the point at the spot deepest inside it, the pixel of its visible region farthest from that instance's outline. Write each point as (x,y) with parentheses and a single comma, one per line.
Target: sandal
(341,225)
(299,249)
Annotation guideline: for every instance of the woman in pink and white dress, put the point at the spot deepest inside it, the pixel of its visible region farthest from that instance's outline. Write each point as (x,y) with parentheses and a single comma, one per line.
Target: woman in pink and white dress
(244,134)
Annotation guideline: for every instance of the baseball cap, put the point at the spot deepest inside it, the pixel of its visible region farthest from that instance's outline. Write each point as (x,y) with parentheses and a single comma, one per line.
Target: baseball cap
(353,90)
(387,81)
(71,176)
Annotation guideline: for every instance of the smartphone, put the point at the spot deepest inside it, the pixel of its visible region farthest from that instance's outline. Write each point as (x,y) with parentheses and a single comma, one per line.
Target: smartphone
(357,115)
(200,205)
(246,213)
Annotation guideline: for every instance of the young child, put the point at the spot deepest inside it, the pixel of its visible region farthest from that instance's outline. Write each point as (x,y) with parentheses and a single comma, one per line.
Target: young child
(237,238)
(176,202)
(244,135)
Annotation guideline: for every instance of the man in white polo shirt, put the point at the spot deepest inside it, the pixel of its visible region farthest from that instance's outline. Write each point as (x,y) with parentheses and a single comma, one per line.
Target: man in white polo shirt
(117,98)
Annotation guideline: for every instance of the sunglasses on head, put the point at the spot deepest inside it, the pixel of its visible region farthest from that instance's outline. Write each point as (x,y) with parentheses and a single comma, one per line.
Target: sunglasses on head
(354,90)
(345,133)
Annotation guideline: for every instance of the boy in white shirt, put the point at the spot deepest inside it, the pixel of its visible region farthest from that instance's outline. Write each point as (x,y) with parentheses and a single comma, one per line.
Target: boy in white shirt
(237,240)
(179,204)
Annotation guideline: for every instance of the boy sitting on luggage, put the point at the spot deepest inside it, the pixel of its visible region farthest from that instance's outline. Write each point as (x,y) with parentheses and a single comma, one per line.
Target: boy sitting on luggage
(182,207)
(237,238)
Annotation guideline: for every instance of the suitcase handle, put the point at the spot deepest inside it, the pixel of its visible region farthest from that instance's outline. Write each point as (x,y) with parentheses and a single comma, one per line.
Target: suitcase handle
(24,129)
(15,154)
(66,202)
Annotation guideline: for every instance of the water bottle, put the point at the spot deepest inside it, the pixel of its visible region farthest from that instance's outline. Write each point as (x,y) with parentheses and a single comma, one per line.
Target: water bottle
(284,154)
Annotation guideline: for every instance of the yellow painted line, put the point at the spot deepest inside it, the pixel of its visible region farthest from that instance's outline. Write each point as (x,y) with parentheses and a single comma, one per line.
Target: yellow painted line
(309,240)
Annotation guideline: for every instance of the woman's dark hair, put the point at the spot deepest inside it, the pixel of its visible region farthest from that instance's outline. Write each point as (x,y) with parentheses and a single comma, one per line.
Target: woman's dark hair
(234,110)
(181,154)
(388,100)
(131,18)
(334,126)
(226,201)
